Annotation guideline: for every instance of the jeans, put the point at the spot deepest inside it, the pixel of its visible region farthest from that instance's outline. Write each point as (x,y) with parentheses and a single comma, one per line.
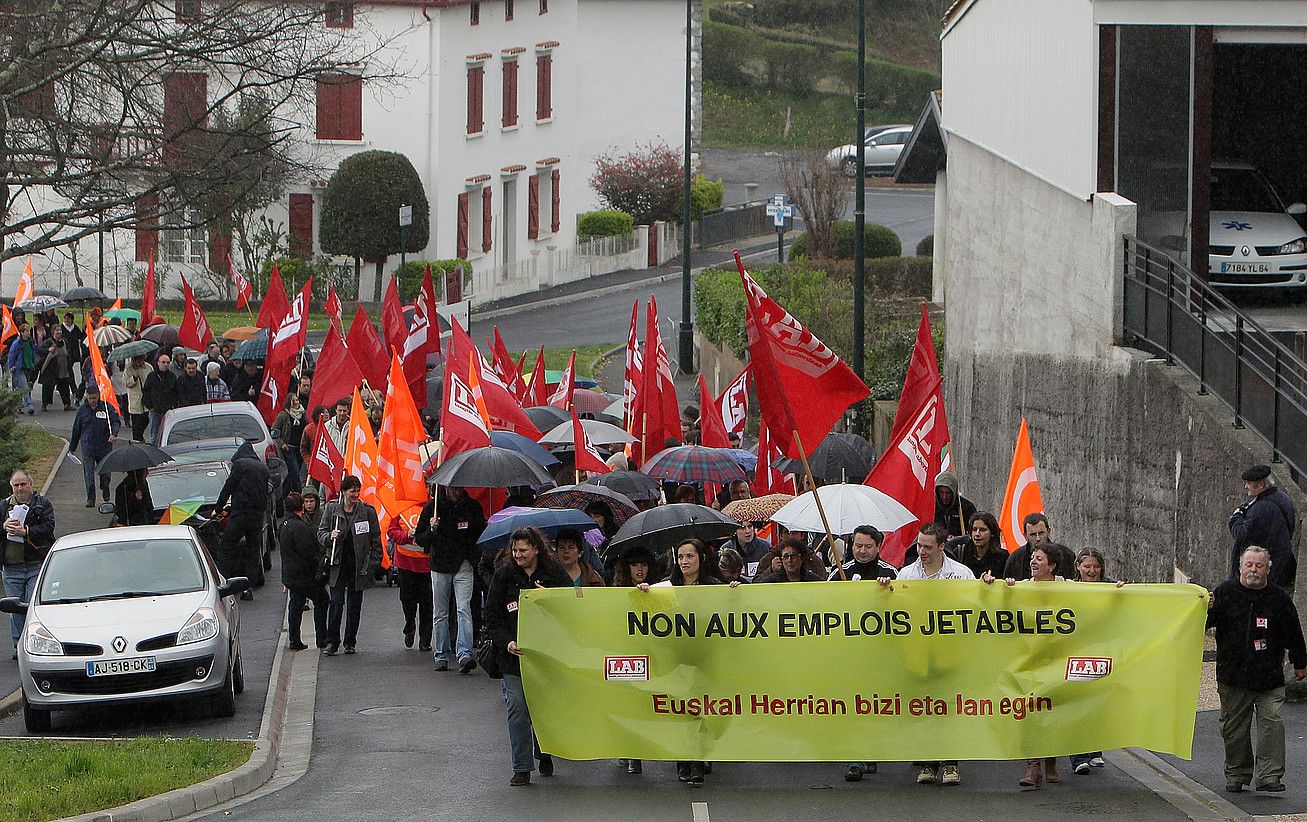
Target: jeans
(20,581)
(317,594)
(461,581)
(347,603)
(88,476)
(156,422)
(521,738)
(1237,708)
(22,386)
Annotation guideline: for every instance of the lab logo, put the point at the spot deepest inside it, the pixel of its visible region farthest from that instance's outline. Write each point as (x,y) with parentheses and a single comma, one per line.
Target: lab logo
(626,668)
(1085,668)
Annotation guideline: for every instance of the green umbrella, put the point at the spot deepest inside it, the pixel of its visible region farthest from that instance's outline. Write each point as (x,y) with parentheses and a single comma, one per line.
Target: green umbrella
(135,348)
(123,314)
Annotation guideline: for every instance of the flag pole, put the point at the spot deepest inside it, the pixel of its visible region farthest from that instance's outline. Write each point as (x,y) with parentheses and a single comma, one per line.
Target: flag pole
(821,510)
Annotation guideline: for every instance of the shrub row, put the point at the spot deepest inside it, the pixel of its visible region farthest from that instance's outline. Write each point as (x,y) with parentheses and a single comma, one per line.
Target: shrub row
(877,241)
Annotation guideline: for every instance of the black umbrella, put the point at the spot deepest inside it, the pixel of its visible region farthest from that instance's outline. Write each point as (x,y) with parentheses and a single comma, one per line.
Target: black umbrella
(131,457)
(490,467)
(840,458)
(163,334)
(665,525)
(546,417)
(630,484)
(84,294)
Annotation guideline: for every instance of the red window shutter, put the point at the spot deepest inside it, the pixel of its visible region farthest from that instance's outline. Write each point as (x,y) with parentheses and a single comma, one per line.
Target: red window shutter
(219,247)
(544,86)
(476,13)
(476,78)
(553,190)
(37,103)
(461,253)
(508,9)
(340,107)
(510,93)
(301,225)
(147,239)
(486,218)
(533,207)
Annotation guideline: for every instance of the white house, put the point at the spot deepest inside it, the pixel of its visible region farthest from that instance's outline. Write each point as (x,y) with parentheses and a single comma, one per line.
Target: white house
(502,107)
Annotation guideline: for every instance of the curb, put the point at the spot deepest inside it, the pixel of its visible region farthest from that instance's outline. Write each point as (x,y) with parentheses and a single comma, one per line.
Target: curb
(1184,794)
(224,787)
(594,364)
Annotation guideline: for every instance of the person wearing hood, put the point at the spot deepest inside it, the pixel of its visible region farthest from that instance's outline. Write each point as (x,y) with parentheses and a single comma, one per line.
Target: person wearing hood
(312,507)
(246,492)
(132,504)
(949,504)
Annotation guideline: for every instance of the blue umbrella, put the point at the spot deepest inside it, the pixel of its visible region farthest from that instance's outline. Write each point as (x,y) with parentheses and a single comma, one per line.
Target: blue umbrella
(747,460)
(255,348)
(549,520)
(525,446)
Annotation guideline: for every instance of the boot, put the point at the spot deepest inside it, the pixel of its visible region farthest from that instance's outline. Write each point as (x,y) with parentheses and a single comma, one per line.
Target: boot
(1051,775)
(1034,777)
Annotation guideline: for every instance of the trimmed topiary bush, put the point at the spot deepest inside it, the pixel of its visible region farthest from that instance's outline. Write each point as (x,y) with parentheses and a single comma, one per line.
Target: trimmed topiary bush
(926,248)
(878,241)
(604,223)
(705,196)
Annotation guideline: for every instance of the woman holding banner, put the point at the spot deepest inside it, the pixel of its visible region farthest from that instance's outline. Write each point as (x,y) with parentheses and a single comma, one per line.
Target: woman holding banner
(632,569)
(533,566)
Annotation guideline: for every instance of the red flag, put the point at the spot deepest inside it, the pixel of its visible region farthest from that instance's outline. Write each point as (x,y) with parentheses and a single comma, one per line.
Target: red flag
(539,396)
(332,306)
(195,332)
(276,381)
(712,433)
(504,409)
(803,387)
(422,339)
(657,416)
(326,463)
(336,374)
(97,366)
(368,351)
(393,328)
(766,479)
(562,396)
(464,420)
(587,456)
(275,305)
(10,329)
(734,403)
(1023,495)
(289,337)
(399,464)
(907,470)
(147,294)
(922,370)
(243,288)
(510,373)
(632,373)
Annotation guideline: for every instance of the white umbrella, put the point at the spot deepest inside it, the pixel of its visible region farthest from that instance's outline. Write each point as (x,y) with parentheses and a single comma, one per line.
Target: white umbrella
(617,408)
(111,335)
(600,433)
(847,506)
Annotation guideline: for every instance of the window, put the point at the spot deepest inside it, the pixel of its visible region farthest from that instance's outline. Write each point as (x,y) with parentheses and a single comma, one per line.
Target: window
(544,6)
(508,9)
(476,80)
(476,12)
(185,102)
(544,85)
(542,188)
(185,11)
(510,93)
(340,107)
(301,226)
(184,238)
(340,15)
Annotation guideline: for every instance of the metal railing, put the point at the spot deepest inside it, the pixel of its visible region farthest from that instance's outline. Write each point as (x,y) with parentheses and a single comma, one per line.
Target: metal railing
(732,223)
(1169,310)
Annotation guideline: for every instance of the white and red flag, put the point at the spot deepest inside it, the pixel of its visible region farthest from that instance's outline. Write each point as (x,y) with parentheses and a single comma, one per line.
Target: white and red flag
(734,403)
(464,419)
(286,340)
(243,288)
(562,396)
(194,332)
(503,408)
(326,463)
(587,456)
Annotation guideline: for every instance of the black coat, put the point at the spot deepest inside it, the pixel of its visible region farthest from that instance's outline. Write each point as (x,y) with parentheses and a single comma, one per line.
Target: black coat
(190,390)
(947,515)
(994,561)
(1018,564)
(245,387)
(500,616)
(40,526)
(246,485)
(780,576)
(128,510)
(454,539)
(301,554)
(159,393)
(1254,629)
(1267,520)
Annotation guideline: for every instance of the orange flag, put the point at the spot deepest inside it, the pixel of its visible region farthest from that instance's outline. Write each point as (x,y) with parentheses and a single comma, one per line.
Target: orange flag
(1022,496)
(361,461)
(399,470)
(117,304)
(97,367)
(10,329)
(26,289)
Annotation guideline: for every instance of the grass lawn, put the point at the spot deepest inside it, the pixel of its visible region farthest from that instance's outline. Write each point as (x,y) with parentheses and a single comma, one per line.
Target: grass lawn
(48,779)
(220,321)
(749,117)
(556,359)
(43,450)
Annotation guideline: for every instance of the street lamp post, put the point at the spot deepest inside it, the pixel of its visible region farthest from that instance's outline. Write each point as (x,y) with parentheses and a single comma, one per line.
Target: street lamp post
(860,196)
(685,339)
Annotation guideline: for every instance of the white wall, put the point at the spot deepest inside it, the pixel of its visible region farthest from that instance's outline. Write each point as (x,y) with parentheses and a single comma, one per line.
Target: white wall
(1202,12)
(1020,79)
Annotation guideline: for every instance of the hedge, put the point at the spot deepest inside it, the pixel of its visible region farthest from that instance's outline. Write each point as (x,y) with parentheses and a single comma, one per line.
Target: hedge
(608,222)
(409,276)
(705,196)
(878,241)
(899,276)
(926,248)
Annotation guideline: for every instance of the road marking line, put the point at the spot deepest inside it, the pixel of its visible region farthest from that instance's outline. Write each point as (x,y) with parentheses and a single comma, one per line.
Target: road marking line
(700,811)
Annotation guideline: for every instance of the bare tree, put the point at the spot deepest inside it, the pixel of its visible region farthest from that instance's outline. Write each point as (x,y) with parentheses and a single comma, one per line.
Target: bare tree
(819,191)
(141,114)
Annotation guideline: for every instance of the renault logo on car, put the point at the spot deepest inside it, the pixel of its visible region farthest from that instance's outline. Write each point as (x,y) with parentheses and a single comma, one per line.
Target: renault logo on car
(1245,250)
(119,644)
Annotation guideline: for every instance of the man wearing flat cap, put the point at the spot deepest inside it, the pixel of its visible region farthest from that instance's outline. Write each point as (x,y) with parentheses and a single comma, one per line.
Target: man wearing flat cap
(1266,519)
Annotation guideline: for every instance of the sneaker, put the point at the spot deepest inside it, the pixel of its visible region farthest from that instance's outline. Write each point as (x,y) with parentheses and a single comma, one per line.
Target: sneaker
(247,596)
(853,774)
(1097,762)
(296,646)
(696,773)
(683,771)
(622,763)
(520,778)
(926,777)
(467,666)
(442,665)
(951,775)
(331,649)
(1082,768)
(1274,786)
(635,766)
(349,649)
(546,765)
(408,639)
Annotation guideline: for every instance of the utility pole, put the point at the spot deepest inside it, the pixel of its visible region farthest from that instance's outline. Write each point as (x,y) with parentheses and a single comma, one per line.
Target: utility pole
(860,197)
(685,340)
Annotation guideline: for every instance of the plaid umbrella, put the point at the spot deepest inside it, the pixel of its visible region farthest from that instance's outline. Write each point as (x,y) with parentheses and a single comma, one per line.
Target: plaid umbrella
(756,509)
(694,463)
(579,496)
(630,484)
(587,401)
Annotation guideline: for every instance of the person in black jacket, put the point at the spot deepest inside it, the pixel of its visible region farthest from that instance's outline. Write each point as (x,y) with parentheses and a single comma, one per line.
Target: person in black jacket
(246,382)
(246,489)
(132,504)
(1266,519)
(1256,623)
(190,385)
(448,528)
(794,553)
(981,550)
(159,393)
(533,566)
(301,562)
(95,427)
(27,539)
(1037,530)
(951,508)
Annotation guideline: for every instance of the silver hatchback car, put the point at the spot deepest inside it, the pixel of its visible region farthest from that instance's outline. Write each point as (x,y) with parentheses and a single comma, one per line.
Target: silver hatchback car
(128,614)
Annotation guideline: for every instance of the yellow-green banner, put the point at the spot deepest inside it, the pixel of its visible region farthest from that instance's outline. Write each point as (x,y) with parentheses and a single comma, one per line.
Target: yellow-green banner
(854,671)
